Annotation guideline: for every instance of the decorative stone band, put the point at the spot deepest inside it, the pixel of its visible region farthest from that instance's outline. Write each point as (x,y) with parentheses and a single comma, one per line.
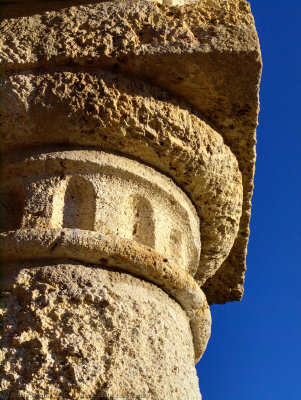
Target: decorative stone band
(133,118)
(114,252)
(97,191)
(206,53)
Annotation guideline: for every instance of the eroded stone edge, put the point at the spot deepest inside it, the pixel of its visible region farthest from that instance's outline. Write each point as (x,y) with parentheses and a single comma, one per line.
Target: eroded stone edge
(232,19)
(113,252)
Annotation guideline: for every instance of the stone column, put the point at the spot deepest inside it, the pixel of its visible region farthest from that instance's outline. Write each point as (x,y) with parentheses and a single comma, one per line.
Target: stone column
(128,148)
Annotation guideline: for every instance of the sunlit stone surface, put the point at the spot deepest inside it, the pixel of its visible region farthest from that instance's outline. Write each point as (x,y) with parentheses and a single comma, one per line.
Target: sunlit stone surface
(128,150)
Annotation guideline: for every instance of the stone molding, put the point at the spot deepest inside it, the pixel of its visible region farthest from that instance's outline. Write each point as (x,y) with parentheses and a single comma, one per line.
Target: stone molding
(166,49)
(111,190)
(114,252)
(108,111)
(128,149)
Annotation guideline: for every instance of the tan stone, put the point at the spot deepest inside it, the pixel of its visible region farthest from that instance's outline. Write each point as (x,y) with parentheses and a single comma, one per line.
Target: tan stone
(165,46)
(105,211)
(96,207)
(96,191)
(155,131)
(113,252)
(85,332)
(128,151)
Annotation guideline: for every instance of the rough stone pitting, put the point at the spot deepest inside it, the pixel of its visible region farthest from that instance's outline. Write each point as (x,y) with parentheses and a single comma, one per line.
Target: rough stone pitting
(86,332)
(166,46)
(114,252)
(128,151)
(97,191)
(109,111)
(83,35)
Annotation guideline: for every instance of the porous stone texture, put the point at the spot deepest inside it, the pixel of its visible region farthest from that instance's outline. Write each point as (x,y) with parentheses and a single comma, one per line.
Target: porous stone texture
(96,191)
(128,151)
(74,331)
(94,207)
(112,251)
(127,116)
(206,53)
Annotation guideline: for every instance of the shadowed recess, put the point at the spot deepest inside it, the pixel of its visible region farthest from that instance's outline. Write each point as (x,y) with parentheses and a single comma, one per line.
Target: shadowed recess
(79,204)
(11,208)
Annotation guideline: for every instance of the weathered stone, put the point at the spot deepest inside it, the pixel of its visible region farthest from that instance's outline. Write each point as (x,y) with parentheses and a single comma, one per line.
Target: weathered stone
(73,331)
(96,191)
(166,46)
(106,210)
(128,150)
(103,110)
(113,252)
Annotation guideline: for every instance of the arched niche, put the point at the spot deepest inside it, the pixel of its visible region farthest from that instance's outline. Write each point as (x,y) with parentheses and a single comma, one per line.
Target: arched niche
(143,225)
(12,206)
(79,204)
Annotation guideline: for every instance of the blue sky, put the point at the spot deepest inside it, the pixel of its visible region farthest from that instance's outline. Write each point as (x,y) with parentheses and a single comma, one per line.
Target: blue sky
(255,349)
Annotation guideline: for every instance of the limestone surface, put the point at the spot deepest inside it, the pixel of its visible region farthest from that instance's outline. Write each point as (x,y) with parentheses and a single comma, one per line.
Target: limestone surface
(114,252)
(127,161)
(100,192)
(109,112)
(206,53)
(73,331)
(103,211)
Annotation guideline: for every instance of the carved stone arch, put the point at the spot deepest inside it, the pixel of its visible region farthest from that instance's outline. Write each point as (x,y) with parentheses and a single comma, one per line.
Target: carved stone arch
(143,223)
(79,204)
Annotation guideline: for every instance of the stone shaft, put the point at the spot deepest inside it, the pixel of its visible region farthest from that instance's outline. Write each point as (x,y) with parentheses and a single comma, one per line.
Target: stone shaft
(128,150)
(81,332)
(79,327)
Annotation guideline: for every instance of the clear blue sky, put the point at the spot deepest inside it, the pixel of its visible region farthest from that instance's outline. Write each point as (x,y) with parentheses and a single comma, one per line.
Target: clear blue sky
(255,349)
